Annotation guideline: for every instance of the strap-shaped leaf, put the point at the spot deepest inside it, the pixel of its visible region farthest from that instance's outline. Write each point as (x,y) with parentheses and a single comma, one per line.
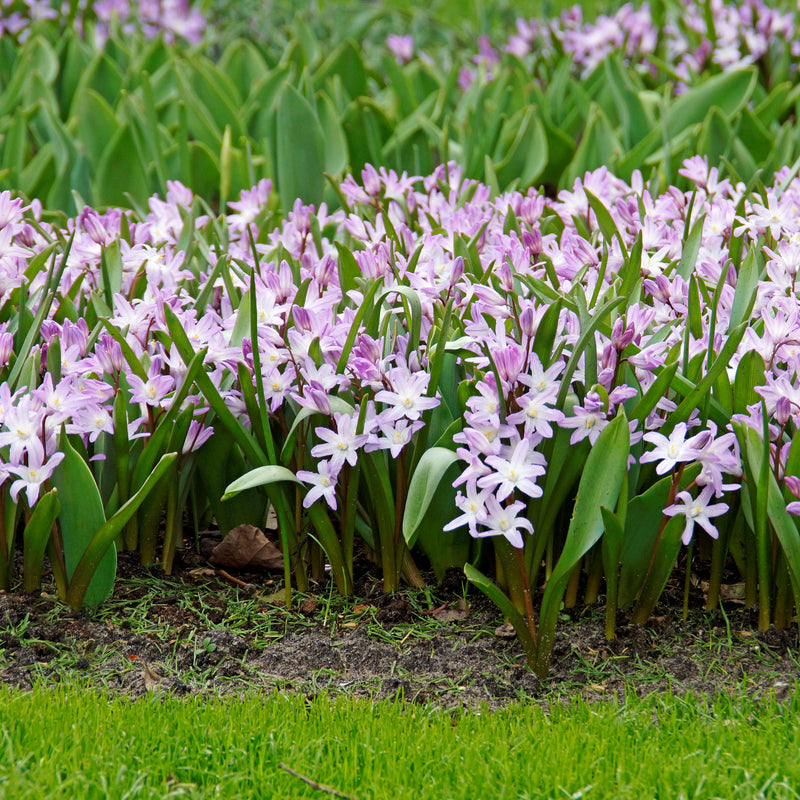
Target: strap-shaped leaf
(260,476)
(423,488)
(600,486)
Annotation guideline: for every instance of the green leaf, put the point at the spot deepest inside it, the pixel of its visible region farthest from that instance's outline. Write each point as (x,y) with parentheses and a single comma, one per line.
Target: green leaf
(599,146)
(300,150)
(750,372)
(96,123)
(691,248)
(611,548)
(728,91)
(101,544)
(81,517)
(606,222)
(744,297)
(663,562)
(337,155)
(478,579)
(645,512)
(600,484)
(783,524)
(423,488)
(120,171)
(260,476)
(36,536)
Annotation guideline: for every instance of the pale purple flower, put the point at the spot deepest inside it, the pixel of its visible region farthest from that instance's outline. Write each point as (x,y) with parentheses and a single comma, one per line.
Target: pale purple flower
(402,47)
(520,471)
(472,507)
(32,475)
(587,420)
(697,511)
(503,521)
(323,483)
(408,395)
(23,424)
(793,485)
(342,444)
(397,434)
(90,421)
(152,391)
(197,435)
(535,414)
(674,449)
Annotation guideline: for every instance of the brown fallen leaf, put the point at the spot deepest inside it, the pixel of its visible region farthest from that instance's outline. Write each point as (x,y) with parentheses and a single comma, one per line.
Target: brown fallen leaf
(735,592)
(202,572)
(505,631)
(151,678)
(308,606)
(247,546)
(461,611)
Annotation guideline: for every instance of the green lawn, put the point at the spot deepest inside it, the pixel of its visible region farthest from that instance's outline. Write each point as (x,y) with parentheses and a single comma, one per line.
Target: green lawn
(79,744)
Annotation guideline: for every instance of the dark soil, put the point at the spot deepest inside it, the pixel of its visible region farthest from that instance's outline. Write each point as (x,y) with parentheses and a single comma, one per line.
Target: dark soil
(203,631)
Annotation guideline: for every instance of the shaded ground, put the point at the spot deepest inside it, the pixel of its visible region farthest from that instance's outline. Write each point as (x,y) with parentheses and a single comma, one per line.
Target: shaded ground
(201,632)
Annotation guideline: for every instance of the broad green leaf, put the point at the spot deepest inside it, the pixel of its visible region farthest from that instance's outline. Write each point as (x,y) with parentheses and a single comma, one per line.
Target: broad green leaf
(101,544)
(611,548)
(96,123)
(645,513)
(691,248)
(423,488)
(750,372)
(496,595)
(336,156)
(663,562)
(606,222)
(782,523)
(599,146)
(634,119)
(600,484)
(81,517)
(300,150)
(260,476)
(744,297)
(728,91)
(120,171)
(35,538)
(716,136)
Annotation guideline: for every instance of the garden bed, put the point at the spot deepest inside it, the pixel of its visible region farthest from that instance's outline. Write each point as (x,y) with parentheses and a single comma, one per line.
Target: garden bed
(197,632)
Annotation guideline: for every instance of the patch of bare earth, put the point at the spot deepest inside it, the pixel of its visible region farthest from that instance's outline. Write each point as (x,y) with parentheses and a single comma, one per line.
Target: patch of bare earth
(202,632)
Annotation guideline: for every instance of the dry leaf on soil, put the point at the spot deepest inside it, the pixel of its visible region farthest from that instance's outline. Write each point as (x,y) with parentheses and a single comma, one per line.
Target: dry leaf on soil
(247,546)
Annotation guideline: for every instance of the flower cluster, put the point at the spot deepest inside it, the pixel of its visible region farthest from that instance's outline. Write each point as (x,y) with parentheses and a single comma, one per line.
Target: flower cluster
(743,34)
(171,18)
(518,277)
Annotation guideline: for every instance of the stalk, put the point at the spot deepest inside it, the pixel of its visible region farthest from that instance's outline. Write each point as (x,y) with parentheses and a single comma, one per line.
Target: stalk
(687,582)
(522,572)
(719,555)
(594,576)
(784,599)
(5,555)
(571,592)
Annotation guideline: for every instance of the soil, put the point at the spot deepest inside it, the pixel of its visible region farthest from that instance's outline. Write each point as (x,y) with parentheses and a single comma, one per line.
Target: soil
(212,632)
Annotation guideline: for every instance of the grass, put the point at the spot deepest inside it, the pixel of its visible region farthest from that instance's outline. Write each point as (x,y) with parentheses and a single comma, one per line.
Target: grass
(76,743)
